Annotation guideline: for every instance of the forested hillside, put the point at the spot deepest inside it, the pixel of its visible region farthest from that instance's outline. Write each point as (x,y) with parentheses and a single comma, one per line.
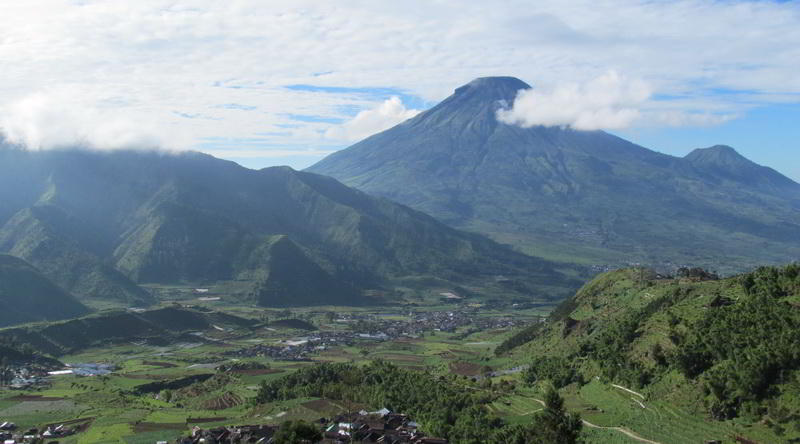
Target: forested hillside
(157,326)
(101,224)
(443,406)
(726,346)
(27,296)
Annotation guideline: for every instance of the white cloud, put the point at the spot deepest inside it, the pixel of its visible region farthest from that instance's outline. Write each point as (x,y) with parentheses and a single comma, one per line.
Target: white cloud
(56,120)
(138,71)
(372,121)
(610,101)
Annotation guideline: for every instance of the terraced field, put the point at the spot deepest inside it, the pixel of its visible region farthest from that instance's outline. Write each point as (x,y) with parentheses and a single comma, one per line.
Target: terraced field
(121,415)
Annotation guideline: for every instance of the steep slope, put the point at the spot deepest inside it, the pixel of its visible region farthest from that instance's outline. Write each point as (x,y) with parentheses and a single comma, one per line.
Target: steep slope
(274,236)
(33,234)
(277,286)
(583,196)
(159,325)
(726,347)
(27,296)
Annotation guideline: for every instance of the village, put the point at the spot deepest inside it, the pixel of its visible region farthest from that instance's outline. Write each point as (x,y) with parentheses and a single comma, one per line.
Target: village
(326,331)
(355,328)
(382,426)
(10,434)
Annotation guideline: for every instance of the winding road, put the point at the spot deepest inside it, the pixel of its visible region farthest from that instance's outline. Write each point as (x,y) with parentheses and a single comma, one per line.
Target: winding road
(622,430)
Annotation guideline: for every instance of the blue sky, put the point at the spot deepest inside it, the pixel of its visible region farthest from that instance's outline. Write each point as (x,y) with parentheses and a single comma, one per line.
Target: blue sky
(288,82)
(768,135)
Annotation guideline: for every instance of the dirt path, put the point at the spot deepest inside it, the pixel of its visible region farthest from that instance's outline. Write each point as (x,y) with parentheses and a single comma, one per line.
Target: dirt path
(628,390)
(622,430)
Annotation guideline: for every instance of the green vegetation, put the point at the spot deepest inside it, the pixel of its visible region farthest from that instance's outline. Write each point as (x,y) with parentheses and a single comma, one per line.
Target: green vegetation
(48,238)
(747,352)
(632,354)
(521,337)
(27,296)
(560,371)
(726,349)
(159,325)
(292,432)
(444,407)
(106,225)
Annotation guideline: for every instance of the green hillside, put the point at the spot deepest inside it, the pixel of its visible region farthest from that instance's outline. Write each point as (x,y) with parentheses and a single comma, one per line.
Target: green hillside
(582,196)
(43,236)
(101,224)
(27,296)
(725,350)
(159,325)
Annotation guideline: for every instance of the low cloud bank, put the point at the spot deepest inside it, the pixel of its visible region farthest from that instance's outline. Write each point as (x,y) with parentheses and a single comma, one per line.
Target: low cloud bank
(44,121)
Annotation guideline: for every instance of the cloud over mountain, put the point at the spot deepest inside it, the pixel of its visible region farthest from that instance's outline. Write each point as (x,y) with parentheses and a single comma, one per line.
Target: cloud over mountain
(368,122)
(610,101)
(55,120)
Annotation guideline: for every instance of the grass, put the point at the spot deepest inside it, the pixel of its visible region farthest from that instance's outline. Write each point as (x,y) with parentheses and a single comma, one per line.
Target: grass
(117,410)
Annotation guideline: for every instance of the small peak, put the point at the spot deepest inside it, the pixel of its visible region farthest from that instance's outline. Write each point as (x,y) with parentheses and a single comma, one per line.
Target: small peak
(721,149)
(714,153)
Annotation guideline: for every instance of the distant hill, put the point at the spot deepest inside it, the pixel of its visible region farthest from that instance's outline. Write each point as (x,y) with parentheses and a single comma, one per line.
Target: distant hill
(100,224)
(160,325)
(584,196)
(45,236)
(726,347)
(27,296)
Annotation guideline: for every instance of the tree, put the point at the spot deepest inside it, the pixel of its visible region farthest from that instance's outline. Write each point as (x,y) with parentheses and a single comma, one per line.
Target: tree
(166,395)
(559,371)
(554,425)
(292,432)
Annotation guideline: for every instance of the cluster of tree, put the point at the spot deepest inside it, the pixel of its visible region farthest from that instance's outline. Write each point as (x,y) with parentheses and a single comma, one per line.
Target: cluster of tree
(558,370)
(6,375)
(12,349)
(529,333)
(744,351)
(697,273)
(441,405)
(293,432)
(521,337)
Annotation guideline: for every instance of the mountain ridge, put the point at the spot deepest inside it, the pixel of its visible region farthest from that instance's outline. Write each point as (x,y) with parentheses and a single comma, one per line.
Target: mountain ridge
(27,296)
(129,217)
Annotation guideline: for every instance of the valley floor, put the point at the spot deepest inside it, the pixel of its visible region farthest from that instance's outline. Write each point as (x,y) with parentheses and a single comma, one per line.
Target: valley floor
(148,397)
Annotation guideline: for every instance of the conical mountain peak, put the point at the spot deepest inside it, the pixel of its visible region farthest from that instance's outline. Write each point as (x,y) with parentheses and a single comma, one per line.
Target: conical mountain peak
(473,105)
(493,88)
(548,188)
